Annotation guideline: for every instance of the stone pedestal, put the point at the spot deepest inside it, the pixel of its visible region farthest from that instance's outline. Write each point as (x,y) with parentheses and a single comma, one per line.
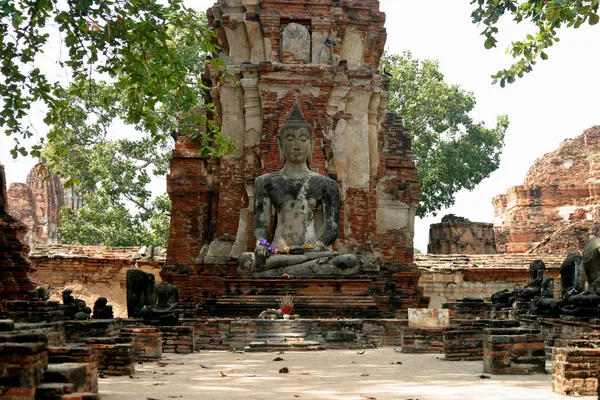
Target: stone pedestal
(464,340)
(23,360)
(468,310)
(80,330)
(33,311)
(115,355)
(78,355)
(54,331)
(177,339)
(575,369)
(513,351)
(573,327)
(422,340)
(147,342)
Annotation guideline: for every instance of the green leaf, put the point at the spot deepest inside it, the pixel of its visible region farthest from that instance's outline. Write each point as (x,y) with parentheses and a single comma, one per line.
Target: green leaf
(593,19)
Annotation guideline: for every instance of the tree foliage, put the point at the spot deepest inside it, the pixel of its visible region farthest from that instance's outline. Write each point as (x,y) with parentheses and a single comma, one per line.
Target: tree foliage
(546,15)
(113,174)
(450,150)
(127,42)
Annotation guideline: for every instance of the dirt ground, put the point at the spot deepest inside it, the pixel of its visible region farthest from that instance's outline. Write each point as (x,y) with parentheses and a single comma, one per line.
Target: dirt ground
(383,373)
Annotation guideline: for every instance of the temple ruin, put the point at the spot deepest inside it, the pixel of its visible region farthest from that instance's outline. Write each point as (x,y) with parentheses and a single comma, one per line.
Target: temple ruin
(305,106)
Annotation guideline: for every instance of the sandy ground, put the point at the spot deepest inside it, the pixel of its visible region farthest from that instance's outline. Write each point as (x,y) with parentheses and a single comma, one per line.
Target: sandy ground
(334,374)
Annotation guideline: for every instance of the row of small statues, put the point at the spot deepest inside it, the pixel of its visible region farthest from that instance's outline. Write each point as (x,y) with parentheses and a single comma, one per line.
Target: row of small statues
(75,308)
(155,304)
(575,300)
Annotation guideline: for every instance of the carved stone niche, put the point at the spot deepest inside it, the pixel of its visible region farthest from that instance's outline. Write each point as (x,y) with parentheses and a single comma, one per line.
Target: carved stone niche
(295,41)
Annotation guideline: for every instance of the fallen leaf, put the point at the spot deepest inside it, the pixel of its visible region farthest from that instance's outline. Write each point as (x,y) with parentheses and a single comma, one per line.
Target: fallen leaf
(484,377)
(249,376)
(238,359)
(222,374)
(284,370)
(278,359)
(203,366)
(296,395)
(397,362)
(174,397)
(133,377)
(162,363)
(158,384)
(364,374)
(363,352)
(305,373)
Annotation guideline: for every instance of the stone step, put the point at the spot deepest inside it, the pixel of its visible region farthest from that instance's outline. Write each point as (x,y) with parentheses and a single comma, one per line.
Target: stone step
(73,373)
(53,390)
(81,396)
(279,336)
(293,345)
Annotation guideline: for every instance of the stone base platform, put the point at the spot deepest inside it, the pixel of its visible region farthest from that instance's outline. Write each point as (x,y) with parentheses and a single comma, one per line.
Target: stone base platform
(227,333)
(513,351)
(77,331)
(313,298)
(115,355)
(54,331)
(422,340)
(575,368)
(177,339)
(147,342)
(32,311)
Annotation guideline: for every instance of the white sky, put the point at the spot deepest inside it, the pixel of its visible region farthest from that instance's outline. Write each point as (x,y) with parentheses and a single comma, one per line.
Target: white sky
(557,101)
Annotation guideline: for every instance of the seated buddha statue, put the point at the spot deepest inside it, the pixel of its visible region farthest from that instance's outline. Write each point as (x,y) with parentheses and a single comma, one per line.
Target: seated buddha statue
(307,210)
(586,303)
(164,312)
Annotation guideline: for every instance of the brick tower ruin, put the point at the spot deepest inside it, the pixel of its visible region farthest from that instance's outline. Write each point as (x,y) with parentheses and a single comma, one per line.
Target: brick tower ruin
(14,274)
(557,208)
(322,55)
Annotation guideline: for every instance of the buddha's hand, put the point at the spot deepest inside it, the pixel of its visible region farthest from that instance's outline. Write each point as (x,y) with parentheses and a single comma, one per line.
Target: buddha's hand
(319,246)
(261,254)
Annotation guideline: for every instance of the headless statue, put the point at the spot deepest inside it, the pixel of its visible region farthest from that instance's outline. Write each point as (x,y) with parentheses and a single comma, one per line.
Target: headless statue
(536,276)
(587,303)
(571,278)
(164,312)
(307,208)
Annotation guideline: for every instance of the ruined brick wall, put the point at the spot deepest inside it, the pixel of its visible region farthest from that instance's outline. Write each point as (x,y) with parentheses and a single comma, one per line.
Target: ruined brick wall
(15,268)
(561,188)
(91,271)
(37,204)
(457,235)
(324,56)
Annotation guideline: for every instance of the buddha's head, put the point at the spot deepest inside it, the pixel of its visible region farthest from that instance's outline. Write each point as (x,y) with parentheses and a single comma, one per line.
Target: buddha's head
(295,140)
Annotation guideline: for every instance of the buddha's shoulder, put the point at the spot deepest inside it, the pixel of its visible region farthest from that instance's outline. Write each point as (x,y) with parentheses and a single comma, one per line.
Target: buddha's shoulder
(269,177)
(320,177)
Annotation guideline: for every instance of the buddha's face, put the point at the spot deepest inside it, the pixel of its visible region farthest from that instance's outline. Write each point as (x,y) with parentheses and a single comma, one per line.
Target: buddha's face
(296,145)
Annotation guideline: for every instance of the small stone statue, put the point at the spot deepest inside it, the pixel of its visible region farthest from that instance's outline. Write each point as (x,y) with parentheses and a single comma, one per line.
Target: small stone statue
(140,291)
(504,298)
(102,310)
(586,303)
(74,308)
(164,312)
(39,293)
(307,205)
